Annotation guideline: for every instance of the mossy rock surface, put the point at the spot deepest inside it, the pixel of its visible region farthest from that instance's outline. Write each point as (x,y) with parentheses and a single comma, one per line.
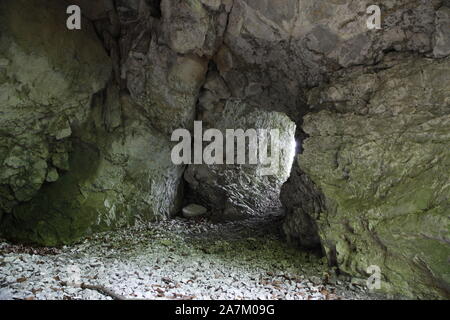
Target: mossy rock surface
(75,157)
(379,152)
(48,76)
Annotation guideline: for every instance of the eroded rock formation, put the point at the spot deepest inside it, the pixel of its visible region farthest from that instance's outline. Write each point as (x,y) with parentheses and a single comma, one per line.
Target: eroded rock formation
(76,157)
(43,90)
(86,118)
(378,149)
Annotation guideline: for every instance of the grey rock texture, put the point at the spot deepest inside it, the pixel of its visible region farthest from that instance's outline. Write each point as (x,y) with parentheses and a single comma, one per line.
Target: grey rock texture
(78,156)
(442,35)
(166,85)
(183,60)
(159,66)
(43,92)
(274,49)
(378,150)
(303,205)
(262,51)
(116,178)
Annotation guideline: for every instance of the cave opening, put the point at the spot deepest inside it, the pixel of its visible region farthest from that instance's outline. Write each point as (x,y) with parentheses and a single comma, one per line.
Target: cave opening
(335,170)
(252,165)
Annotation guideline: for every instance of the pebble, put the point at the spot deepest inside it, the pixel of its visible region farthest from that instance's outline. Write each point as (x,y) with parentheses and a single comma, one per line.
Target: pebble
(194,210)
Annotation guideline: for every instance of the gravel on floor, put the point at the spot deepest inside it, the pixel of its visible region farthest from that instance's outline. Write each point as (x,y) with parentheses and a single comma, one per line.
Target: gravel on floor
(176,259)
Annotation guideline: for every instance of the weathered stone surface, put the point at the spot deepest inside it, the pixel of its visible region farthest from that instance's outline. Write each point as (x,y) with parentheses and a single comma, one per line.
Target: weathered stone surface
(442,35)
(166,85)
(303,205)
(273,49)
(165,56)
(265,52)
(379,152)
(43,92)
(76,157)
(262,52)
(193,26)
(235,190)
(367,188)
(116,178)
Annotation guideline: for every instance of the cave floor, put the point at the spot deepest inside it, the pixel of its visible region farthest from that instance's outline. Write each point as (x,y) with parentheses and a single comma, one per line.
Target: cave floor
(175,259)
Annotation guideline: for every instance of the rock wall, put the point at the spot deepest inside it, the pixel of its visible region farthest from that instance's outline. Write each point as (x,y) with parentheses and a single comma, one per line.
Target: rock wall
(265,52)
(77,156)
(261,52)
(43,90)
(378,149)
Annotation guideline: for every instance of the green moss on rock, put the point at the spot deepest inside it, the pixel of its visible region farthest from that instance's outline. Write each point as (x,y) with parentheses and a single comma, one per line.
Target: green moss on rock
(379,151)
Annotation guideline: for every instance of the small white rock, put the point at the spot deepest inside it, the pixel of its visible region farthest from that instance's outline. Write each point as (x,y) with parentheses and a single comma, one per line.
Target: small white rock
(194,210)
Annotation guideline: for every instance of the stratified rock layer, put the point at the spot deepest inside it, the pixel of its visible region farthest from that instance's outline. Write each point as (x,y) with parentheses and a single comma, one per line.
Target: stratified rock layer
(379,151)
(274,49)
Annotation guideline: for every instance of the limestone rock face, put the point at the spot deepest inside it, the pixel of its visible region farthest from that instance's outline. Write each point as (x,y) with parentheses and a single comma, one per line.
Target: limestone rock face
(163,58)
(273,49)
(166,85)
(268,54)
(195,26)
(44,90)
(116,179)
(237,189)
(442,35)
(77,156)
(379,151)
(263,51)
(303,205)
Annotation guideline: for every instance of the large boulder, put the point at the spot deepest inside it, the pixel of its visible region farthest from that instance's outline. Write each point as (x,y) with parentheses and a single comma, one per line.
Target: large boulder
(379,152)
